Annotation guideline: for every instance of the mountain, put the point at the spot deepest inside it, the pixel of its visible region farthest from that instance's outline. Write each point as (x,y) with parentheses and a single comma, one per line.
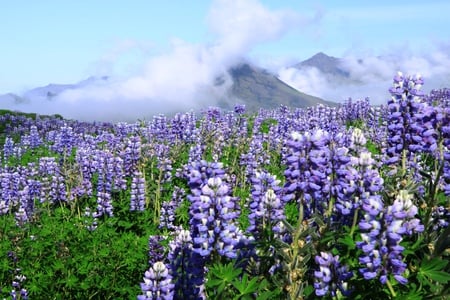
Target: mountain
(325,64)
(258,88)
(51,90)
(250,85)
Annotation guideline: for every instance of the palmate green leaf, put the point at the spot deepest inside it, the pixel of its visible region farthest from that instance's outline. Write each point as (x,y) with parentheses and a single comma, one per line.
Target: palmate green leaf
(215,282)
(433,264)
(438,276)
(245,286)
(433,270)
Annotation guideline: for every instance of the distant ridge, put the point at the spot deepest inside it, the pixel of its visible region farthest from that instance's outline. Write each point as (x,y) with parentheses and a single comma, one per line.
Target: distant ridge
(51,90)
(257,88)
(251,85)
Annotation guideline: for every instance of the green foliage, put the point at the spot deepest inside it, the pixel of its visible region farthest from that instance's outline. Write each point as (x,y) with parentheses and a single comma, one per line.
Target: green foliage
(266,124)
(226,281)
(61,259)
(291,212)
(430,271)
(373,148)
(182,214)
(357,123)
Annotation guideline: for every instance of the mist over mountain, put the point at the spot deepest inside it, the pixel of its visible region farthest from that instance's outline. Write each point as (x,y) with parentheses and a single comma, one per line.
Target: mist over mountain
(325,64)
(257,88)
(360,76)
(320,79)
(52,90)
(243,83)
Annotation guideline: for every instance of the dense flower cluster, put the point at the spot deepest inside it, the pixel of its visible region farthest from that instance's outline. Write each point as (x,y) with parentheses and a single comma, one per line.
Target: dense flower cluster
(383,228)
(213,222)
(404,105)
(266,207)
(308,170)
(187,267)
(331,276)
(157,283)
(168,209)
(137,192)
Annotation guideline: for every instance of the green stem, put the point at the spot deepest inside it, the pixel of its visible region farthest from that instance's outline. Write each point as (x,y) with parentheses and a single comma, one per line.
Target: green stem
(300,214)
(403,172)
(391,289)
(355,219)
(330,208)
(158,198)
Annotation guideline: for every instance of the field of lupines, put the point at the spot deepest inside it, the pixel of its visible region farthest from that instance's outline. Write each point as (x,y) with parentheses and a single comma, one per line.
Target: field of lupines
(333,203)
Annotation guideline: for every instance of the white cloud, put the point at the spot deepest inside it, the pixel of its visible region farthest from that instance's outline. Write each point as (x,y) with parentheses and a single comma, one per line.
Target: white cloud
(371,76)
(184,77)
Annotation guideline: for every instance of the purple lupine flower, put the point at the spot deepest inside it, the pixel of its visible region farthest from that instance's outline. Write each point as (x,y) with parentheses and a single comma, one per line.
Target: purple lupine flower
(405,103)
(164,163)
(331,276)
(104,205)
(64,141)
(8,148)
(168,209)
(53,188)
(239,108)
(308,170)
(21,216)
(157,283)
(10,185)
(120,182)
(84,159)
(445,151)
(344,185)
(137,192)
(440,217)
(34,138)
(256,156)
(213,222)
(266,208)
(57,191)
(182,127)
(132,155)
(156,250)
(91,222)
(187,267)
(382,231)
(17,283)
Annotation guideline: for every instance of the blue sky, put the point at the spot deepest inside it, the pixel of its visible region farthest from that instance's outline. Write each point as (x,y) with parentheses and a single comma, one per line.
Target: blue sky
(65,41)
(146,45)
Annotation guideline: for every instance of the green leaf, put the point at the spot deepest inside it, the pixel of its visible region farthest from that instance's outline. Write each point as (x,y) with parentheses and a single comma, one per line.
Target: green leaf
(348,241)
(125,224)
(433,264)
(244,286)
(438,276)
(221,287)
(433,270)
(214,282)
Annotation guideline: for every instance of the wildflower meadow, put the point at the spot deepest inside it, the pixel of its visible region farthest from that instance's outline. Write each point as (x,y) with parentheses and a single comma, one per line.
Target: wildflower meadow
(345,202)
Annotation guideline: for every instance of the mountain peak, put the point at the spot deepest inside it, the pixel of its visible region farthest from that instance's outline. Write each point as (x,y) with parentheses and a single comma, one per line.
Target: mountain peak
(324,63)
(258,88)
